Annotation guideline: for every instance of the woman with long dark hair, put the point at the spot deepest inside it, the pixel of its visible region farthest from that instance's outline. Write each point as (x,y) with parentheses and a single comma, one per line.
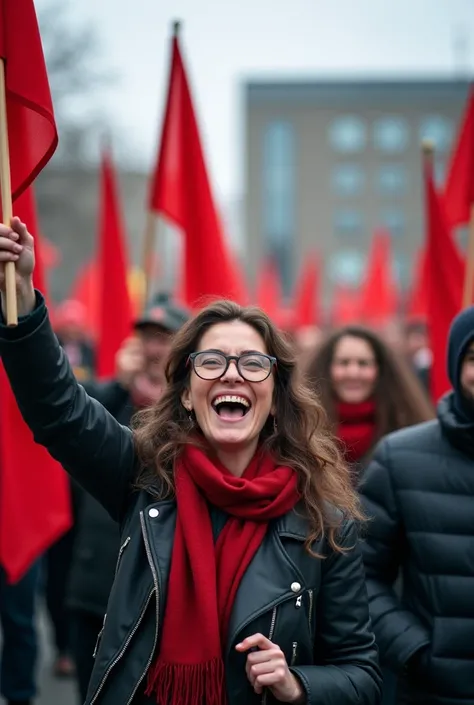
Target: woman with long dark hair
(239,577)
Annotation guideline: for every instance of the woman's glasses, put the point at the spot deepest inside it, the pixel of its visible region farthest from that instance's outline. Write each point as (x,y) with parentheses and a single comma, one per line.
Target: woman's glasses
(212,364)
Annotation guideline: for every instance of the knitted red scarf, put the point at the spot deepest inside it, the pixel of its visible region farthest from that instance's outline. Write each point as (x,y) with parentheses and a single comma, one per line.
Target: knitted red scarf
(204,576)
(356,428)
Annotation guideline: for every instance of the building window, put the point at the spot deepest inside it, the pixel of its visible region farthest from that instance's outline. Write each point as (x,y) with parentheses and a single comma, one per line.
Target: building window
(279,195)
(346,267)
(394,221)
(392,179)
(347,221)
(438,130)
(391,134)
(348,134)
(347,179)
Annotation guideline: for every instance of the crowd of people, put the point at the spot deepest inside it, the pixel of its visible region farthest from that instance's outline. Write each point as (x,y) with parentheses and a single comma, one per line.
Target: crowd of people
(260,516)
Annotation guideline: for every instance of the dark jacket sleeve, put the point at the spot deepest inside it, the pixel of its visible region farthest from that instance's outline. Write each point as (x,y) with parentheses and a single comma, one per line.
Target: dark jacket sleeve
(109,393)
(399,633)
(90,444)
(345,643)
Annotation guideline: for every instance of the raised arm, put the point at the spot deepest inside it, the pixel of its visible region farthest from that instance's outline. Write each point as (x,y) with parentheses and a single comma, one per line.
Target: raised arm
(94,448)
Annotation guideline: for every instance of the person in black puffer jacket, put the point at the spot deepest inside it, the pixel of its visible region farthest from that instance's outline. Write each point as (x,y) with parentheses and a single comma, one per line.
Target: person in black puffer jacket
(419,494)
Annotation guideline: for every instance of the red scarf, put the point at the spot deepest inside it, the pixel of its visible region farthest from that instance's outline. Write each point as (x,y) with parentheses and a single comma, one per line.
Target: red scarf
(356,428)
(204,576)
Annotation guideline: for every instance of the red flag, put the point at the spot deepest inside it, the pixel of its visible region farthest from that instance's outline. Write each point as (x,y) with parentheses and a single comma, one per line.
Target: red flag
(417,305)
(379,303)
(51,255)
(268,293)
(307,311)
(32,133)
(180,190)
(34,491)
(115,318)
(459,190)
(345,306)
(85,291)
(445,282)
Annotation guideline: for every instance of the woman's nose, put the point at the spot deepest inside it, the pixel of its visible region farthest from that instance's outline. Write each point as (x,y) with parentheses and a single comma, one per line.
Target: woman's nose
(232,372)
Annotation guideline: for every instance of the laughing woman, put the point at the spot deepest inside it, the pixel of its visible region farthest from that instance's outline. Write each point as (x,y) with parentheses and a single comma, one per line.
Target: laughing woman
(239,579)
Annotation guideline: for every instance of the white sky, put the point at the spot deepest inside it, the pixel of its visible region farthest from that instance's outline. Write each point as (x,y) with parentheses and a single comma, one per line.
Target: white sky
(227,41)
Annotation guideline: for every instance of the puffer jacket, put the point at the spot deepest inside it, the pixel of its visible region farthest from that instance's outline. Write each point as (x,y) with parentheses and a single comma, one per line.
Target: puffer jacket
(419,495)
(315,609)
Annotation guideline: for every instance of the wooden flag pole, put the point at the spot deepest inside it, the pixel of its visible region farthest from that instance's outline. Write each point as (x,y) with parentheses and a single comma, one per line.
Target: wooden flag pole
(469,275)
(7,205)
(148,249)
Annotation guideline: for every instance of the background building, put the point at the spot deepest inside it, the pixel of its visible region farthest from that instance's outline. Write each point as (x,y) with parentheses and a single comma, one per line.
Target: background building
(327,162)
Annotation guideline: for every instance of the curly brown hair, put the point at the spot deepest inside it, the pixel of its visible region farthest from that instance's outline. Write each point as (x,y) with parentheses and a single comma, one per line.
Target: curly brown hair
(400,399)
(302,441)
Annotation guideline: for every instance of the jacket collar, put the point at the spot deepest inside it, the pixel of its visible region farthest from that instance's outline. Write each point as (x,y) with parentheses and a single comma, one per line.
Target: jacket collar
(459,433)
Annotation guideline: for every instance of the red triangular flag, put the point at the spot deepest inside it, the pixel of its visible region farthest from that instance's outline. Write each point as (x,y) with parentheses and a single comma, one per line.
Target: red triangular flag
(32,133)
(34,490)
(115,320)
(268,294)
(445,282)
(181,191)
(306,305)
(85,291)
(417,304)
(345,306)
(379,301)
(459,190)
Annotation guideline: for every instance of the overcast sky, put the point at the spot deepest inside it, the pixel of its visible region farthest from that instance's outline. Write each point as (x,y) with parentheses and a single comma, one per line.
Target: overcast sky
(227,41)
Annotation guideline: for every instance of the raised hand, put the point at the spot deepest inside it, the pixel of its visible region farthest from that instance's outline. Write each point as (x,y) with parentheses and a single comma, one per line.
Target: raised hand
(17,245)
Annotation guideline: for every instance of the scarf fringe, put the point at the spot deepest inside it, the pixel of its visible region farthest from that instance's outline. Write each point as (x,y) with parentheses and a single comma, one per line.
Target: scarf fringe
(187,684)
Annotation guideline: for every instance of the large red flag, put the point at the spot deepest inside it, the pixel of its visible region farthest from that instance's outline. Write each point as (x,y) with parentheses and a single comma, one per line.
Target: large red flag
(32,130)
(417,304)
(306,307)
(180,190)
(345,308)
(34,491)
(445,282)
(85,291)
(379,301)
(115,317)
(459,190)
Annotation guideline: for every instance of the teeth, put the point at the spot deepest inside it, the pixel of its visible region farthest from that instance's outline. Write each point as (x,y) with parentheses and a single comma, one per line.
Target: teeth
(231,398)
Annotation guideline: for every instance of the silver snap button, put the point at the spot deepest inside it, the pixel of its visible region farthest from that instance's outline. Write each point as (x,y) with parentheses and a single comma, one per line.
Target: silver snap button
(153,513)
(295,587)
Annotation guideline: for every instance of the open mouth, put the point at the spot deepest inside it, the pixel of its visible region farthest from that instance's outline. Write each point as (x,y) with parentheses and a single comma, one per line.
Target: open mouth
(231,406)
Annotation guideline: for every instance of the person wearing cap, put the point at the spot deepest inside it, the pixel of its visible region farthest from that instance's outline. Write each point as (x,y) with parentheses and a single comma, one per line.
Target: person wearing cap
(418,493)
(138,383)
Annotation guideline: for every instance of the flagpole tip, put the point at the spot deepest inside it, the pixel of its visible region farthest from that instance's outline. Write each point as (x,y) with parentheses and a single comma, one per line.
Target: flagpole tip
(176,27)
(427,147)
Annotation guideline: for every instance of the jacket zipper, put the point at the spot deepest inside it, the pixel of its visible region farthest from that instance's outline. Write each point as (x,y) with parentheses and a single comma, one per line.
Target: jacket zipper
(294,653)
(310,616)
(156,590)
(270,636)
(142,614)
(99,636)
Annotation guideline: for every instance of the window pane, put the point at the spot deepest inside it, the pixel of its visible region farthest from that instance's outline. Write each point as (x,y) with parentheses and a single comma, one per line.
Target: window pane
(392,179)
(347,179)
(391,134)
(348,134)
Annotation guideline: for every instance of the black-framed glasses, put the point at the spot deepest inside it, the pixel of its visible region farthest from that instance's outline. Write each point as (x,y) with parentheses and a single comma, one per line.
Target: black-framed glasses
(251,366)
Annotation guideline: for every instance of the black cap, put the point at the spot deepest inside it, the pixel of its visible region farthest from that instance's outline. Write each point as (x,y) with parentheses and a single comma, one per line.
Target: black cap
(164,313)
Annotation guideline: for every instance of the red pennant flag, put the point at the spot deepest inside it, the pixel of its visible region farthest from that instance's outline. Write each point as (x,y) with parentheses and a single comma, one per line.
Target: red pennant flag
(417,305)
(345,306)
(32,133)
(115,318)
(85,291)
(459,190)
(306,306)
(445,282)
(268,293)
(379,301)
(181,191)
(35,505)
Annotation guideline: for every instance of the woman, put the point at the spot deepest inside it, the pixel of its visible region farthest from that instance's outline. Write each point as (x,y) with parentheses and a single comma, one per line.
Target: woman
(365,389)
(239,577)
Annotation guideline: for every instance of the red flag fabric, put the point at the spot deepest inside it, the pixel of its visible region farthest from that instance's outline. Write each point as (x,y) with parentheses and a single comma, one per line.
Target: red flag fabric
(379,301)
(417,304)
(180,190)
(306,305)
(445,282)
(268,294)
(345,306)
(50,254)
(85,291)
(115,307)
(32,133)
(459,190)
(35,508)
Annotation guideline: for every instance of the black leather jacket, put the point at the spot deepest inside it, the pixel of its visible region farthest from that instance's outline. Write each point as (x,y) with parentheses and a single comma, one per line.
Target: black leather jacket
(316,610)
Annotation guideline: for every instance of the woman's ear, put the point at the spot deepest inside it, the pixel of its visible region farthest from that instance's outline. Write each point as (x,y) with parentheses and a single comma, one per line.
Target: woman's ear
(186,400)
